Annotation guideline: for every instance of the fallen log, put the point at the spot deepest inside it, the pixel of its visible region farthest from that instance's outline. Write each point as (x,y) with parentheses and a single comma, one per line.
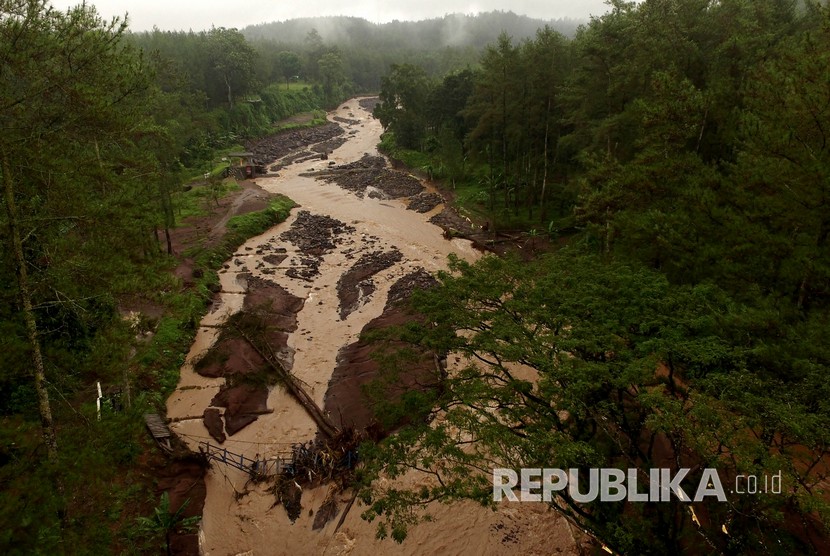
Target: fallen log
(326,426)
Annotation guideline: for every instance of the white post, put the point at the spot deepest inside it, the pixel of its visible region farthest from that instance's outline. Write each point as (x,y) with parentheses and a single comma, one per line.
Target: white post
(99,400)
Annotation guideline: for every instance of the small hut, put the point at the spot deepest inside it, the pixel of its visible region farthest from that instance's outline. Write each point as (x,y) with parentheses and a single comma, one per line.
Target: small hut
(243,164)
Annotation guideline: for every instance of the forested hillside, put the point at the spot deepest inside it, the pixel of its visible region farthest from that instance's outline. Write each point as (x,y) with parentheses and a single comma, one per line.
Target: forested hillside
(677,154)
(475,31)
(368,49)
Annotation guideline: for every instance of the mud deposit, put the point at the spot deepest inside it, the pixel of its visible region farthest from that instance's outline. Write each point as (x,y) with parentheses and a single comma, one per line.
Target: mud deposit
(369,104)
(358,365)
(356,286)
(425,202)
(314,235)
(296,146)
(369,176)
(339,266)
(184,481)
(272,313)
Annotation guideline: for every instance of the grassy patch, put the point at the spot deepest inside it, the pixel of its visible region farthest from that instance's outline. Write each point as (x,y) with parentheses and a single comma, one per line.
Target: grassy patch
(301,121)
(255,223)
(416,160)
(195,201)
(299,86)
(239,229)
(294,86)
(216,167)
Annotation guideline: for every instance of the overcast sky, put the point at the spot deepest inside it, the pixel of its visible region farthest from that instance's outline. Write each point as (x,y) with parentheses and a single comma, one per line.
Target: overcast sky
(202,14)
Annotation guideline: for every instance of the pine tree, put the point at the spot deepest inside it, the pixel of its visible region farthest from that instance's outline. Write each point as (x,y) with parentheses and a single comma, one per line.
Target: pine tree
(70,110)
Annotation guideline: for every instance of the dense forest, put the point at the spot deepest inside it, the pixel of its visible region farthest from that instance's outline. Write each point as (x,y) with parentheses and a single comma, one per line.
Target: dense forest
(368,49)
(666,167)
(675,154)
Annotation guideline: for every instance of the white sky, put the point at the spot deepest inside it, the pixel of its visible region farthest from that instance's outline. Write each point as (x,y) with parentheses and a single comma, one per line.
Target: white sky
(202,14)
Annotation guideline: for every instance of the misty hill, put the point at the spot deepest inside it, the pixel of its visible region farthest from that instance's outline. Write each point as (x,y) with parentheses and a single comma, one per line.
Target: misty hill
(454,30)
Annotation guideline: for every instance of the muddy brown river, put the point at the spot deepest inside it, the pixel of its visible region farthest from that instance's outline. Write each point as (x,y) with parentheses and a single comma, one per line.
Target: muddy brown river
(241,518)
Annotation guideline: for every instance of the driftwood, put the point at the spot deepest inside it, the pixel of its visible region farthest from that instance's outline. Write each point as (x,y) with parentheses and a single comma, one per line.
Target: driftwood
(346,511)
(292,385)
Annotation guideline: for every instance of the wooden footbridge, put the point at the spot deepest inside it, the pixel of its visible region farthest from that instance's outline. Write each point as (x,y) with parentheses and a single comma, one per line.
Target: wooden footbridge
(284,461)
(257,467)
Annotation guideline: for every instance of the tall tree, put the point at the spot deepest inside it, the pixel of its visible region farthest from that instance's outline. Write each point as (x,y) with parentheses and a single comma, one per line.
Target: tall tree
(315,48)
(445,106)
(600,88)
(569,362)
(548,65)
(780,183)
(289,65)
(494,103)
(402,109)
(69,91)
(659,204)
(332,76)
(232,60)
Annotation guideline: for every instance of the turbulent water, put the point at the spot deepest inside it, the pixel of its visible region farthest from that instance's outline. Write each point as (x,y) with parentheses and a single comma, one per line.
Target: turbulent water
(366,226)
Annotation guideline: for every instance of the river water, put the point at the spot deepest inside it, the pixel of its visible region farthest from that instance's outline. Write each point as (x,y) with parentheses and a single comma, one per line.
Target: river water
(241,518)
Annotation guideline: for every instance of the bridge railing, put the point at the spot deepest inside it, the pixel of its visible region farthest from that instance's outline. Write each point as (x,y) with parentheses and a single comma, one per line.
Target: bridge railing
(256,467)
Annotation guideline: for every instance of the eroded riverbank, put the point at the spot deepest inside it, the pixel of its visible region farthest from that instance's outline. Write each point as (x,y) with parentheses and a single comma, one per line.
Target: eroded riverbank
(338,255)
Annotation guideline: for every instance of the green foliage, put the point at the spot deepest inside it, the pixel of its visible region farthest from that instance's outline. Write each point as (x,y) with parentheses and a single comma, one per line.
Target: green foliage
(402,107)
(92,175)
(84,124)
(573,362)
(334,79)
(500,124)
(164,522)
(239,85)
(289,66)
(274,104)
(96,137)
(301,121)
(684,140)
(196,201)
(232,58)
(255,223)
(411,158)
(42,515)
(99,458)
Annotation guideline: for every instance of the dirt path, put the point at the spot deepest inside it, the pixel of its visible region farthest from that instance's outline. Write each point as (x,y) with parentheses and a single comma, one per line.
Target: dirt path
(240,205)
(368,242)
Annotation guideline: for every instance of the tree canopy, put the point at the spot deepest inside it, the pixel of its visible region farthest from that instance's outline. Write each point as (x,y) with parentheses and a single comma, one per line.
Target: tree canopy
(680,149)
